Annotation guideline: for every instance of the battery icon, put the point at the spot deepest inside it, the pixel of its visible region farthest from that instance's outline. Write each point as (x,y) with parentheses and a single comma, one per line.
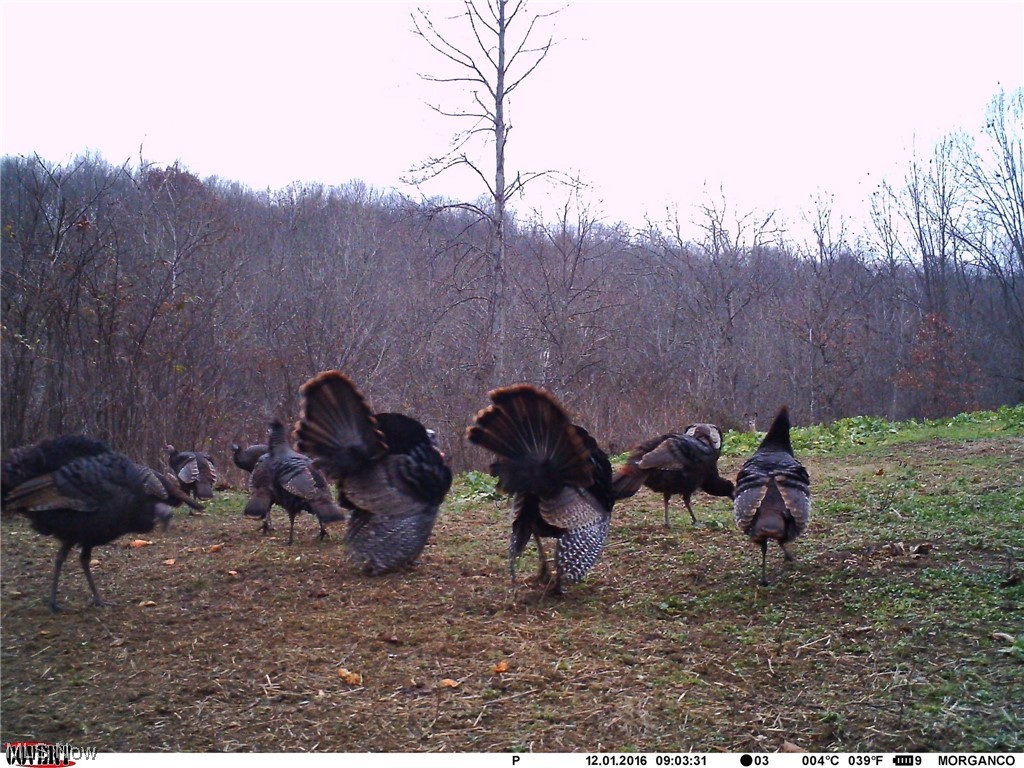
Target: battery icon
(903,760)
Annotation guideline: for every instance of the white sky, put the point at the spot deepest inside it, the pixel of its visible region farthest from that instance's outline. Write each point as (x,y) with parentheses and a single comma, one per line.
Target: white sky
(654,104)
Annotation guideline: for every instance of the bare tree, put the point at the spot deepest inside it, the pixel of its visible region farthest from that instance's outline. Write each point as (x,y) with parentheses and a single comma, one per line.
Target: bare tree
(994,176)
(919,222)
(501,52)
(826,307)
(561,293)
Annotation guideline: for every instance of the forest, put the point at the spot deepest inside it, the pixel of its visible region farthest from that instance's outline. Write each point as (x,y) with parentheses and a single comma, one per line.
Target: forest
(147,306)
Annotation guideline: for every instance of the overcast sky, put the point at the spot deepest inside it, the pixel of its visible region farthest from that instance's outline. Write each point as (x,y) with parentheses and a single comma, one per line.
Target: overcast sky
(653,104)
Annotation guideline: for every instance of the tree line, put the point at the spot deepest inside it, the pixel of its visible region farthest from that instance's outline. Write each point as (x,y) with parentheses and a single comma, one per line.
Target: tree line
(145,305)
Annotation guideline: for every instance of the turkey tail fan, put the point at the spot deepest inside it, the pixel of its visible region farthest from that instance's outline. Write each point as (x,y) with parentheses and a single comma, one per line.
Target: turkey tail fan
(337,426)
(540,449)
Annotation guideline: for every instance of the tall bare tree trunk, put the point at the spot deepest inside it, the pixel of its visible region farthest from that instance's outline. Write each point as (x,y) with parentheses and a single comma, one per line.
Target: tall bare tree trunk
(486,65)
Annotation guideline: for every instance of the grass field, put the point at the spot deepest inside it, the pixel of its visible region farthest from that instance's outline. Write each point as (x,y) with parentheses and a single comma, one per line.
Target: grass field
(899,627)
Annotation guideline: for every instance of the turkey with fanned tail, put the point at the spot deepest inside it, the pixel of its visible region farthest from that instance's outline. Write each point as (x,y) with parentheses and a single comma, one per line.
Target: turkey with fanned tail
(559,479)
(390,473)
(773,493)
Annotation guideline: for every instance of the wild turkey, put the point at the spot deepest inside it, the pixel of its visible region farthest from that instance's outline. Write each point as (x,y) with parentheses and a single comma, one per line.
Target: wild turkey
(559,479)
(773,494)
(246,458)
(71,489)
(388,468)
(675,463)
(288,478)
(194,470)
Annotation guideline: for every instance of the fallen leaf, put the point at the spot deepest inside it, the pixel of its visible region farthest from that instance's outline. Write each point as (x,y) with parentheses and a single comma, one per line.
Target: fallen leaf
(170,561)
(139,543)
(147,604)
(449,683)
(880,472)
(95,563)
(232,573)
(352,678)
(216,548)
(117,642)
(501,666)
(44,632)
(788,746)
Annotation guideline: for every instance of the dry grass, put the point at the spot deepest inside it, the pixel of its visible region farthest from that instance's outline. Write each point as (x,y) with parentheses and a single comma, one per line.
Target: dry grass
(862,644)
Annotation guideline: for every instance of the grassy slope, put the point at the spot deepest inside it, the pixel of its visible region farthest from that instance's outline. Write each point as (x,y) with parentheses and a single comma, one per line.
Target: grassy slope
(870,641)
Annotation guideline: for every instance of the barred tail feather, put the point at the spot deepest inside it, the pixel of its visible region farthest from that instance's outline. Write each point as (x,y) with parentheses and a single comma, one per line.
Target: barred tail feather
(539,450)
(579,549)
(385,543)
(337,426)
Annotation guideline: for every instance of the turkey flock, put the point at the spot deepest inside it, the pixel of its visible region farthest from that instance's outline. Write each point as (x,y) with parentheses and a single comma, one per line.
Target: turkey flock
(387,476)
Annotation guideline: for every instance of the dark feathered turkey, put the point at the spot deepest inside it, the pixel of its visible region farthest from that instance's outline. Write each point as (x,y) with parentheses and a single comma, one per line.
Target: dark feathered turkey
(288,478)
(773,492)
(675,463)
(389,471)
(559,479)
(194,470)
(246,458)
(71,489)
